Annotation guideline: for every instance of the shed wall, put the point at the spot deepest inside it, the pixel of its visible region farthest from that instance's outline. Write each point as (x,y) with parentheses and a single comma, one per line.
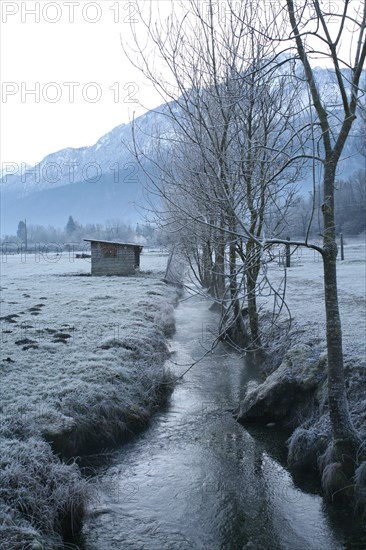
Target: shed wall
(112,259)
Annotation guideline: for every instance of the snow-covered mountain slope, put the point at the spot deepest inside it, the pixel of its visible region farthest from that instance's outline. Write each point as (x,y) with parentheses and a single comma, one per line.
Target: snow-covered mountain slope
(104,181)
(93,184)
(109,156)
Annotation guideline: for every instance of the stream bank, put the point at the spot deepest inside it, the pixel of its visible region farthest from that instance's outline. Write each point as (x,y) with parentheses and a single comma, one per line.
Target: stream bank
(294,396)
(294,392)
(82,368)
(196,479)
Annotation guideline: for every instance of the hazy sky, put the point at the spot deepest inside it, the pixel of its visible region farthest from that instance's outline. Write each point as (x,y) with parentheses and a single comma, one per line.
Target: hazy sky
(43,56)
(68,53)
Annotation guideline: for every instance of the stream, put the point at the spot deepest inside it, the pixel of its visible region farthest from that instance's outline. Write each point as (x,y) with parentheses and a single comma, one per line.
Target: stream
(196,479)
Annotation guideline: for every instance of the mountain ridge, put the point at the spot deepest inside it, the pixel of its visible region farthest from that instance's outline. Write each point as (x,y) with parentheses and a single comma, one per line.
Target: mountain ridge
(98,167)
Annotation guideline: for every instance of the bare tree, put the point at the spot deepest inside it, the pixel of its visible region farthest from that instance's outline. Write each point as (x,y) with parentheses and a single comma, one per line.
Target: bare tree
(308,28)
(345,439)
(204,53)
(230,140)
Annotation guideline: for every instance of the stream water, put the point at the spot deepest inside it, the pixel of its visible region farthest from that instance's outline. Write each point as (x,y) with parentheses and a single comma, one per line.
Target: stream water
(196,479)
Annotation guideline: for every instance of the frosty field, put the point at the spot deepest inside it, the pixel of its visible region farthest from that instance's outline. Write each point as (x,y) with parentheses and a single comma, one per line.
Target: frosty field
(305,294)
(82,365)
(67,338)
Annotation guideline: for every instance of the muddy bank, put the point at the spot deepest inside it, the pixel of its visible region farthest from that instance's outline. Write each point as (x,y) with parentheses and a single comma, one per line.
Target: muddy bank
(93,386)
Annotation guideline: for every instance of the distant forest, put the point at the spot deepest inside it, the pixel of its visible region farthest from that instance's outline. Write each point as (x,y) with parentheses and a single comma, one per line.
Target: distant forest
(350,213)
(34,237)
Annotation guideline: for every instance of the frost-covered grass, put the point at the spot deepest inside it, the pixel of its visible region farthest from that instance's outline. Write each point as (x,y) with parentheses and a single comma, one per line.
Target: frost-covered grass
(82,367)
(305,298)
(41,498)
(305,294)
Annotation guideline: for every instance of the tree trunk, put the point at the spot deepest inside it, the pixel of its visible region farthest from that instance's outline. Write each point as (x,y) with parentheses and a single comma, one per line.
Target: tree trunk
(219,268)
(345,438)
(252,272)
(241,337)
(207,265)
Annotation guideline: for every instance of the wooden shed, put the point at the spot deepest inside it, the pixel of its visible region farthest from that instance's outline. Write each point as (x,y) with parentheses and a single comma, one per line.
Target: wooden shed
(114,258)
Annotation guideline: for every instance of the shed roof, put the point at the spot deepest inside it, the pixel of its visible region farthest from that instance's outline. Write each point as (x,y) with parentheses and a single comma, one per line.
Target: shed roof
(113,242)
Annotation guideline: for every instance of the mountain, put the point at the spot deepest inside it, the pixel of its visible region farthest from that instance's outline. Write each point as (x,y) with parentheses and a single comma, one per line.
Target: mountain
(104,181)
(93,184)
